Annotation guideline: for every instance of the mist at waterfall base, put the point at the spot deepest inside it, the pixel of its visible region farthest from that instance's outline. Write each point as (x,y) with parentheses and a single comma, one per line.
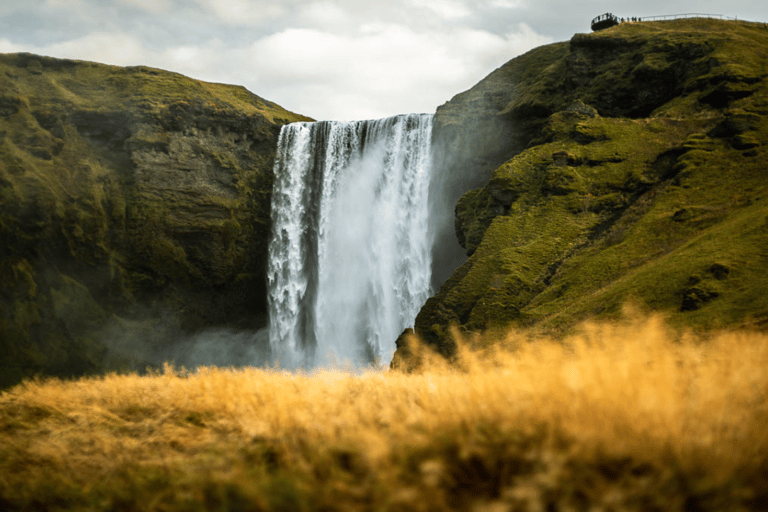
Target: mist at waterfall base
(355,212)
(349,259)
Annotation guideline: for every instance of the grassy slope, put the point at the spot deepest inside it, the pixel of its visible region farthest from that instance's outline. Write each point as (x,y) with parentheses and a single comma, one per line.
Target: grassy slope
(621,418)
(88,85)
(624,417)
(656,195)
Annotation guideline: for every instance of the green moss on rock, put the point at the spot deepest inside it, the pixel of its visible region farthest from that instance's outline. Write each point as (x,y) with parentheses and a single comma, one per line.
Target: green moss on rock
(127,193)
(636,176)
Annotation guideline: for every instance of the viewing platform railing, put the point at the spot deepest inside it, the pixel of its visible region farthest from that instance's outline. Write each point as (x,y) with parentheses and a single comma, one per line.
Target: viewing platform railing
(686,15)
(608,20)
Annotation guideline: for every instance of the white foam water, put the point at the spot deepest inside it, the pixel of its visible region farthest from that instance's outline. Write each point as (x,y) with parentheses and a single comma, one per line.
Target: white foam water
(349,258)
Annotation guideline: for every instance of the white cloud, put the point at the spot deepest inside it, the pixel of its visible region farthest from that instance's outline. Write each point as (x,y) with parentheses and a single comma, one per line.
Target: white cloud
(7,46)
(245,12)
(153,6)
(111,48)
(391,68)
(330,59)
(507,4)
(326,15)
(191,60)
(118,49)
(84,11)
(338,59)
(63,4)
(448,9)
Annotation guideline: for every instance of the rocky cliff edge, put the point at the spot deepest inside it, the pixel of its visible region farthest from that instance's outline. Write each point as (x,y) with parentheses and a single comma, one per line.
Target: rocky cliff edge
(627,165)
(134,207)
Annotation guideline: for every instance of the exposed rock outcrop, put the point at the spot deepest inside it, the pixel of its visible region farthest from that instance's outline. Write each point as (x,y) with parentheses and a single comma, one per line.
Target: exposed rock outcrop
(615,167)
(623,165)
(133,200)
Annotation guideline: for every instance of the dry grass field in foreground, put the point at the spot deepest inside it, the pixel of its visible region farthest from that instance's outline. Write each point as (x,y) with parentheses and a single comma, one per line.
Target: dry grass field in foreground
(621,417)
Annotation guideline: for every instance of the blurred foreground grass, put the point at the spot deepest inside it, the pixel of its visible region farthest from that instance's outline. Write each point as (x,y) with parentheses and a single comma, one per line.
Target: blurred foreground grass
(626,416)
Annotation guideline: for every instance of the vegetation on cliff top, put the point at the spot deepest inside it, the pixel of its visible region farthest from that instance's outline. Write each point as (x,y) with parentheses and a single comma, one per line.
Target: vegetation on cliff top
(622,417)
(133,202)
(638,174)
(594,200)
(78,85)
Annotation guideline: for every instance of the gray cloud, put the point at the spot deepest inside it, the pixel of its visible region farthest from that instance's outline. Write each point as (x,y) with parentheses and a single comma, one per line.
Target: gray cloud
(329,59)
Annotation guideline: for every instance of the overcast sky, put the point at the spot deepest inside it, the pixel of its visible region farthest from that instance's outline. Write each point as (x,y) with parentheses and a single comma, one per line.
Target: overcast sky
(327,59)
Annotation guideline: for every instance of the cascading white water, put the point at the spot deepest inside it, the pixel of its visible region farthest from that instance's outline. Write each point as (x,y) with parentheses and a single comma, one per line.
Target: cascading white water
(349,259)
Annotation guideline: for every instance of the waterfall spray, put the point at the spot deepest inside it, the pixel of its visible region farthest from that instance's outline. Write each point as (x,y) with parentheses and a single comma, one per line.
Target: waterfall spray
(349,258)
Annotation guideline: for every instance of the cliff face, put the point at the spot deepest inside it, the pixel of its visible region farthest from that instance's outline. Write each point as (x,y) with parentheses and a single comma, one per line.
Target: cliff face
(627,165)
(132,200)
(624,165)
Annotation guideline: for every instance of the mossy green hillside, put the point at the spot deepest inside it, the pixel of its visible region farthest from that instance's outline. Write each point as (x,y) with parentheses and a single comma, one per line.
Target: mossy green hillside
(127,196)
(643,181)
(99,87)
(693,246)
(630,70)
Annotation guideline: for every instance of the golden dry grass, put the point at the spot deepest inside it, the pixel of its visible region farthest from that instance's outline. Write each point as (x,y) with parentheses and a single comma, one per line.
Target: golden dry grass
(621,417)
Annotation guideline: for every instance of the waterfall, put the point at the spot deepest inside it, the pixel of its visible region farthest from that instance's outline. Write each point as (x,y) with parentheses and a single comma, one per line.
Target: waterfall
(349,258)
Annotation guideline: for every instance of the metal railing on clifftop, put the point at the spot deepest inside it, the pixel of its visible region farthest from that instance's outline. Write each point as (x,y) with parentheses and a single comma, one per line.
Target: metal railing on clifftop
(686,15)
(608,20)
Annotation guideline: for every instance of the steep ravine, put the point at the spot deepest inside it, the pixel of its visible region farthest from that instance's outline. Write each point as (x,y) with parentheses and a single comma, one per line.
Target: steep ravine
(135,206)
